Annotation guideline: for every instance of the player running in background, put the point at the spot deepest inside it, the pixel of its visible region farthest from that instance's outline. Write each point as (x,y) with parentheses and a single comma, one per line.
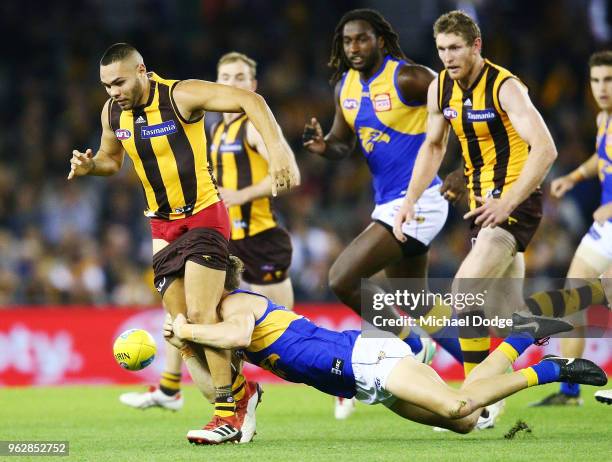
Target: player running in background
(159,123)
(507,150)
(375,370)
(594,254)
(239,160)
(380,99)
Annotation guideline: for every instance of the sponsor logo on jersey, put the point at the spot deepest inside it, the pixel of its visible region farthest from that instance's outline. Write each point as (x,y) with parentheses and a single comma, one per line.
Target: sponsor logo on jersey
(370,136)
(239,224)
(162,129)
(123,134)
(480,115)
(233,147)
(382,102)
(467,102)
(350,104)
(337,365)
(449,113)
(185,209)
(140,120)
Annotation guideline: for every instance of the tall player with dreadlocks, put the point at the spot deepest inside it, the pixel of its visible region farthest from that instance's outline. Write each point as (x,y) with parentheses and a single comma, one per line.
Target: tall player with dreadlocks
(380,99)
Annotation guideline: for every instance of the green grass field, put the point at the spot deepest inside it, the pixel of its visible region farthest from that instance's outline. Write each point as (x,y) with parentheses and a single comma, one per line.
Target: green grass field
(295,423)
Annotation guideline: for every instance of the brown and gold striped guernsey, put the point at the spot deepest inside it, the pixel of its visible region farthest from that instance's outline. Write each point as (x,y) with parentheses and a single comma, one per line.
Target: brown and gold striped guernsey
(168,153)
(237,165)
(493,151)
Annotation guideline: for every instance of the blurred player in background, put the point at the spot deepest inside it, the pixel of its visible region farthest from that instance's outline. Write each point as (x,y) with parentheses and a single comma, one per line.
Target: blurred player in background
(380,99)
(497,126)
(239,160)
(375,370)
(159,123)
(594,254)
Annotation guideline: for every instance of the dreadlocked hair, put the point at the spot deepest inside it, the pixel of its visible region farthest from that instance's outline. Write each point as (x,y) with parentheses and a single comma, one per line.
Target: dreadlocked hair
(338,61)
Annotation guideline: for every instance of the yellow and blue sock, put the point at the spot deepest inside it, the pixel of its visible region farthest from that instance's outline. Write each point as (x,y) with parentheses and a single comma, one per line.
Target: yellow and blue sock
(570,389)
(541,373)
(412,339)
(514,345)
(446,336)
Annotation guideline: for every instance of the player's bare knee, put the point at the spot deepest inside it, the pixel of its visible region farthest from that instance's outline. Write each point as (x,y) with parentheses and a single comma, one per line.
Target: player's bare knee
(464,425)
(197,315)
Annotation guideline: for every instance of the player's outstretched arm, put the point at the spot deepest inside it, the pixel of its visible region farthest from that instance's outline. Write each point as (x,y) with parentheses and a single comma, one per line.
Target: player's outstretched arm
(563,184)
(233,332)
(193,97)
(107,161)
(530,126)
(338,143)
(428,161)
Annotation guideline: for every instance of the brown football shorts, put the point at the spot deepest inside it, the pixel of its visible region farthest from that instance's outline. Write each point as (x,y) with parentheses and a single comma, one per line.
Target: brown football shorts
(523,222)
(266,256)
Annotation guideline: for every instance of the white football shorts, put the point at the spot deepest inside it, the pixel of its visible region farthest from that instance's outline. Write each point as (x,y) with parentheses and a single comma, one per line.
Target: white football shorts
(373,359)
(431,212)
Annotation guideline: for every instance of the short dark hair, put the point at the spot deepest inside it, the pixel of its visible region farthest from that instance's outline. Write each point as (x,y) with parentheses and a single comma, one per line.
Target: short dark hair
(601,58)
(457,22)
(233,273)
(338,61)
(117,52)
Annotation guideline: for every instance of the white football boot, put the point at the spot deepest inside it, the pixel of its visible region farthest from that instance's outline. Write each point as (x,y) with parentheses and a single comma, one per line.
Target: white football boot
(604,396)
(494,411)
(154,397)
(344,407)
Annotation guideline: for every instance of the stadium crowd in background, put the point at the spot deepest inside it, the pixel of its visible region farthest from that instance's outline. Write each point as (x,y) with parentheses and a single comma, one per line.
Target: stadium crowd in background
(88,242)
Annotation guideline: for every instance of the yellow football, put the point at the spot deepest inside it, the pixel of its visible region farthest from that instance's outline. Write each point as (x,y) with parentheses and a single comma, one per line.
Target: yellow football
(134,349)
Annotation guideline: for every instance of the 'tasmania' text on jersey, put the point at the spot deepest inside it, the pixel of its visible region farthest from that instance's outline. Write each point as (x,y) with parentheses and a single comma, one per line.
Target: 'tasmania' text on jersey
(389,129)
(295,349)
(168,153)
(237,165)
(493,152)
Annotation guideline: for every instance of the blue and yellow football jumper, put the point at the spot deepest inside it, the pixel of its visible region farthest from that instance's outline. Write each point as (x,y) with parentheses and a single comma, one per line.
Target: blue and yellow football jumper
(604,153)
(293,348)
(389,129)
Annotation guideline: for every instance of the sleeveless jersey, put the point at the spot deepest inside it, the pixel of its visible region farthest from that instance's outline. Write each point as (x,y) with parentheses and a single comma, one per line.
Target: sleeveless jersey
(493,152)
(236,165)
(293,348)
(604,164)
(168,153)
(389,129)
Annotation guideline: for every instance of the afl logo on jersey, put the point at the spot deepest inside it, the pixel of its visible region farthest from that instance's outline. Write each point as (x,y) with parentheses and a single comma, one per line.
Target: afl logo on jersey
(350,104)
(449,113)
(123,134)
